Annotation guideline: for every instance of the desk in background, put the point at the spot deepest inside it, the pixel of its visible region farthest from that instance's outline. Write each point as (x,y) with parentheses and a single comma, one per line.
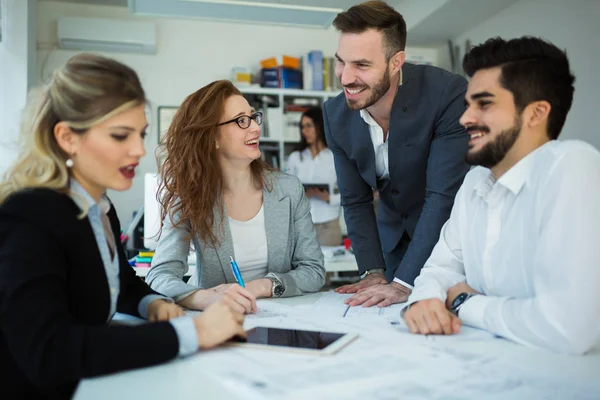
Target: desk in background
(333,263)
(385,362)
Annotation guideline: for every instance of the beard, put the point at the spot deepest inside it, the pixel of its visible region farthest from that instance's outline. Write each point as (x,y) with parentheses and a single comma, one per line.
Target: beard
(380,88)
(493,152)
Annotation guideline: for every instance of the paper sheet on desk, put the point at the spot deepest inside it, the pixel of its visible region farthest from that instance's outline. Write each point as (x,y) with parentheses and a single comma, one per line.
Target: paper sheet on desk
(332,305)
(387,368)
(386,364)
(267,309)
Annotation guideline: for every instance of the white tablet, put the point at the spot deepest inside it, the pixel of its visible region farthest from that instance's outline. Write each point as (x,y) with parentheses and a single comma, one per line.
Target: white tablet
(295,340)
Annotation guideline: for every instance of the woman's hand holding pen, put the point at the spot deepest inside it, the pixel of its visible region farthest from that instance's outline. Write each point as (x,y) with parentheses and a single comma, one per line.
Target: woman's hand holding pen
(218,323)
(238,298)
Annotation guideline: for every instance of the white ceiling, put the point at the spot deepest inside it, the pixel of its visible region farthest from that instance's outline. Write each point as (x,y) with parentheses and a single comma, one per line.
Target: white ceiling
(343,4)
(122,3)
(429,22)
(312,3)
(453,18)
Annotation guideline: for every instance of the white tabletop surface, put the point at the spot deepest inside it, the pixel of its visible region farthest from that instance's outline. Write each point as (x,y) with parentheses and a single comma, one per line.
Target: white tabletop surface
(385,362)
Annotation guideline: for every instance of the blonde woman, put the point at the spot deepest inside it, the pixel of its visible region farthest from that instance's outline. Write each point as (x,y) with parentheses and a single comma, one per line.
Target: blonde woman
(63,272)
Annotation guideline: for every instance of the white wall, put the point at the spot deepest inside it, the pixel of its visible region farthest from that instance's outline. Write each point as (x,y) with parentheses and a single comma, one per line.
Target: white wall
(191,53)
(17,72)
(572,25)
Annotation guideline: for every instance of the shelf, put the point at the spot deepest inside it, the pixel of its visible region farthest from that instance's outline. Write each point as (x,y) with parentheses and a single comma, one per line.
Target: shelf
(288,92)
(276,149)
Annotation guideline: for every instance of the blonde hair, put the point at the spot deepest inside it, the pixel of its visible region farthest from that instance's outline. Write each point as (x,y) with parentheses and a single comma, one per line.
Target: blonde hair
(87,90)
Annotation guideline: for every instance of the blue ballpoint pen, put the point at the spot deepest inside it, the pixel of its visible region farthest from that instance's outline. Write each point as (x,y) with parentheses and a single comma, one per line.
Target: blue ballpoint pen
(236,272)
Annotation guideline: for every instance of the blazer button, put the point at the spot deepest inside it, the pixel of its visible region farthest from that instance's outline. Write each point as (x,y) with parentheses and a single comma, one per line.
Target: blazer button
(395,192)
(404,216)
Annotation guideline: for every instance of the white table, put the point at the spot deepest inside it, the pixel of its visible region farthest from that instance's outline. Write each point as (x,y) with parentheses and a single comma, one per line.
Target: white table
(381,364)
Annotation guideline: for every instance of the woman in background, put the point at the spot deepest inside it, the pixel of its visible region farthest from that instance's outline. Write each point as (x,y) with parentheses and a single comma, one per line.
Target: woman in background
(217,193)
(63,271)
(312,163)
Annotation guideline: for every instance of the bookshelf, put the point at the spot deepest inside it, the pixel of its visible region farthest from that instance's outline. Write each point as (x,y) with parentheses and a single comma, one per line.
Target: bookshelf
(282,109)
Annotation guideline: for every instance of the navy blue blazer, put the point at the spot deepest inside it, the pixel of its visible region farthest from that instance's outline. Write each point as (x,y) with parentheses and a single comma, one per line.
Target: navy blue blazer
(426,149)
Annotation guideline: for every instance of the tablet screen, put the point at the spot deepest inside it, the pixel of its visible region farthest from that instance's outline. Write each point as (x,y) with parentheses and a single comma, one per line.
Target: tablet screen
(327,342)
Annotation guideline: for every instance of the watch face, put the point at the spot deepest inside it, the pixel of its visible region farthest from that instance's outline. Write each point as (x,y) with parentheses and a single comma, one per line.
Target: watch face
(459,300)
(278,290)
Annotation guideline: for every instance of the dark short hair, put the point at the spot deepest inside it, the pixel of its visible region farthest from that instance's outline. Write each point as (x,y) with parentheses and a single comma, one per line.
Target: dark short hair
(375,14)
(316,115)
(532,69)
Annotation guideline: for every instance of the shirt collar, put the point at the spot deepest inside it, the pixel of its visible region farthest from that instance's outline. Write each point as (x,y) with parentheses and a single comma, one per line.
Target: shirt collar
(84,200)
(517,176)
(367,117)
(484,187)
(365,114)
(514,179)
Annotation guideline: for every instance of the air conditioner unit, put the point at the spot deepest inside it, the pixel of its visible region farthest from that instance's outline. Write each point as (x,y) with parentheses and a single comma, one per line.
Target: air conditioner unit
(97,34)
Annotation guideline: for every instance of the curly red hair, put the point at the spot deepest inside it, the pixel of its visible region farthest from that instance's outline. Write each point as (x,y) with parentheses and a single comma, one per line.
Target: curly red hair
(192,181)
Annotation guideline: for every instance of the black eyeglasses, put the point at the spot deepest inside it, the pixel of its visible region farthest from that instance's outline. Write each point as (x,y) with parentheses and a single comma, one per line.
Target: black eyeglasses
(244,121)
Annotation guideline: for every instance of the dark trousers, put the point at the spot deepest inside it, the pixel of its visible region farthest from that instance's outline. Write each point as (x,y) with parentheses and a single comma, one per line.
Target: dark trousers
(394,258)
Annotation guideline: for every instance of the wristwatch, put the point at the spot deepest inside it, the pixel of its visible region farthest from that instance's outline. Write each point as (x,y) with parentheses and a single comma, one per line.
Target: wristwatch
(459,301)
(373,271)
(278,288)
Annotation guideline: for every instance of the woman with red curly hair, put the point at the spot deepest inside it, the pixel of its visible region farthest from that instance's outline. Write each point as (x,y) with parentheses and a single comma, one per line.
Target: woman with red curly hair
(218,194)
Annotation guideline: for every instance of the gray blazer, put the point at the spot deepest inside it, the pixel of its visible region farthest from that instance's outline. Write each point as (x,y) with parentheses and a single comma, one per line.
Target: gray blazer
(294,254)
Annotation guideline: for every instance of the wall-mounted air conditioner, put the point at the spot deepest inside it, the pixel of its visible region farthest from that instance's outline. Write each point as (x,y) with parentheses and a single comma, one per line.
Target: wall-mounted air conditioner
(97,34)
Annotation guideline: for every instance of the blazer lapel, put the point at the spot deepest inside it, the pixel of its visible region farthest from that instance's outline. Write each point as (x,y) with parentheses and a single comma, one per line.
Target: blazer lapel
(225,248)
(277,223)
(362,150)
(401,119)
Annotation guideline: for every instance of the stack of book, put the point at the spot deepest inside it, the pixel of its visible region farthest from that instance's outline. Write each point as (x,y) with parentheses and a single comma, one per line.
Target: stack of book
(313,71)
(318,72)
(281,72)
(144,258)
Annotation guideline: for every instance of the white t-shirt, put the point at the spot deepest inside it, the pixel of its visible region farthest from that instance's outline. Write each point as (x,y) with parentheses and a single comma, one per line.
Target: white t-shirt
(317,170)
(250,245)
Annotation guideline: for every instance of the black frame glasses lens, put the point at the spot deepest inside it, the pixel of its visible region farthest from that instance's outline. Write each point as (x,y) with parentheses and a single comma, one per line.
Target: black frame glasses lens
(257,117)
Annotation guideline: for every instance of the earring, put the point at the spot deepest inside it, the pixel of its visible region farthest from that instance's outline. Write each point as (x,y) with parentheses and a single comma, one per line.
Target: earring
(69,163)
(217,146)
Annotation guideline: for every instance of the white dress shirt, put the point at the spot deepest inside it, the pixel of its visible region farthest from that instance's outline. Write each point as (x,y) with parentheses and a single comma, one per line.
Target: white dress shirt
(528,242)
(250,245)
(320,169)
(380,146)
(382,159)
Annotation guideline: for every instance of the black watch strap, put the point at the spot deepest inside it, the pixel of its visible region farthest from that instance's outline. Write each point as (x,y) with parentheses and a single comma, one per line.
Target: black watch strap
(459,301)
